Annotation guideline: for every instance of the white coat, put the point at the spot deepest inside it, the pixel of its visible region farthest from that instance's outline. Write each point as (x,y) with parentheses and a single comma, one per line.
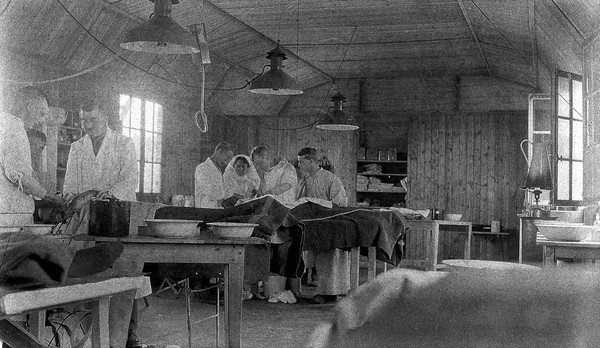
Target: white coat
(114,169)
(209,185)
(15,162)
(282,173)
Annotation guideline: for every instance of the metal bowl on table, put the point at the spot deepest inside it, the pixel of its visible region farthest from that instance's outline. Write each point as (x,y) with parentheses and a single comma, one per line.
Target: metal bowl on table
(232,229)
(452,217)
(9,229)
(169,228)
(569,232)
(38,229)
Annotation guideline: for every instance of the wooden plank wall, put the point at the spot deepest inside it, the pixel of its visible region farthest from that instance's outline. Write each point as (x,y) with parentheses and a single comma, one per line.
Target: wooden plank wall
(468,163)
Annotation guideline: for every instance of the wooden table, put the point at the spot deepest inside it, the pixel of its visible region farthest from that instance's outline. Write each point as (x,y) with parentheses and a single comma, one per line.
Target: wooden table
(421,249)
(35,302)
(554,250)
(229,252)
(468,229)
(423,238)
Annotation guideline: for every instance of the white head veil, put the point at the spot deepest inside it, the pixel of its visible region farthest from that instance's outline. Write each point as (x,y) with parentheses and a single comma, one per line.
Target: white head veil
(240,184)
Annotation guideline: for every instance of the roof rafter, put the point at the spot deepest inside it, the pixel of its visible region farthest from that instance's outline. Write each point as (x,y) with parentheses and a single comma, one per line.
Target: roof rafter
(475,37)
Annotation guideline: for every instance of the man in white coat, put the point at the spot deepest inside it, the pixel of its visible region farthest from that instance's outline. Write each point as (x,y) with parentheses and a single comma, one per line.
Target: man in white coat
(279,180)
(17,182)
(106,161)
(333,266)
(103,159)
(209,185)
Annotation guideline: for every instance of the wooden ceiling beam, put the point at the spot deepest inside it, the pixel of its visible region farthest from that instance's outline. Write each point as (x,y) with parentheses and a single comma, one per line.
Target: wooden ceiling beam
(475,37)
(533,36)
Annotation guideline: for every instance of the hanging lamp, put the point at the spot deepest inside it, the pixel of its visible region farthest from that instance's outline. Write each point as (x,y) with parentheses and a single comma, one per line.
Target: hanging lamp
(160,34)
(338,119)
(275,81)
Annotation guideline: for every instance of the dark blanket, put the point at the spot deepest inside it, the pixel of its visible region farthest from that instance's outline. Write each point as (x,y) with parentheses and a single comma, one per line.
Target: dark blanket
(31,261)
(271,216)
(345,227)
(28,260)
(354,227)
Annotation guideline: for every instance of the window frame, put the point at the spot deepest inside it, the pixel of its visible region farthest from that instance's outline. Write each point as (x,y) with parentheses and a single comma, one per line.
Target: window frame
(142,161)
(571,120)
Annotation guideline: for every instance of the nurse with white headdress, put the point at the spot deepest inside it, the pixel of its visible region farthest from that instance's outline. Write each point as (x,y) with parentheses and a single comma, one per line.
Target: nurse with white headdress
(240,178)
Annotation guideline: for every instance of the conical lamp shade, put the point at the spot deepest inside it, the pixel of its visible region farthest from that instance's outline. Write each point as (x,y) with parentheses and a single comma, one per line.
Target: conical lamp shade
(275,81)
(338,119)
(160,34)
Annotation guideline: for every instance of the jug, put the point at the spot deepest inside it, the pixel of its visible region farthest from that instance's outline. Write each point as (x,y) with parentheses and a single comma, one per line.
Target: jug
(539,174)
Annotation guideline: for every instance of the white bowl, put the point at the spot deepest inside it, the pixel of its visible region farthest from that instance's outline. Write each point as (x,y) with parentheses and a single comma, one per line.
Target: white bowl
(231,229)
(9,229)
(452,217)
(567,215)
(168,228)
(485,264)
(39,229)
(565,232)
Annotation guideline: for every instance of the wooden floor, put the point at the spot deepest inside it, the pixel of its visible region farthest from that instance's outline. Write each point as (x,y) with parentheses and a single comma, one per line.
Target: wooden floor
(264,324)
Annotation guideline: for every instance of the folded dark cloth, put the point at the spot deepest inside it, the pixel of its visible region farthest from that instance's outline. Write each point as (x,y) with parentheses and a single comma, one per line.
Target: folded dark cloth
(348,227)
(94,260)
(28,260)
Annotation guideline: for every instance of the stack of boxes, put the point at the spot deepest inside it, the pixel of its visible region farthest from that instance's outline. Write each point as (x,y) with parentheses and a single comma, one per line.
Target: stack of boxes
(362,183)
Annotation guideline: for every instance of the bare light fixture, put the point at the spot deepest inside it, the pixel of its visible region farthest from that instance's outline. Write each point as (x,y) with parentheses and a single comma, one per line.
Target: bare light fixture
(160,34)
(338,119)
(275,81)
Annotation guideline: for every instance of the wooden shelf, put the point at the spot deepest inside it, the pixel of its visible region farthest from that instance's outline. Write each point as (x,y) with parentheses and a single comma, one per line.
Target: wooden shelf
(393,172)
(479,233)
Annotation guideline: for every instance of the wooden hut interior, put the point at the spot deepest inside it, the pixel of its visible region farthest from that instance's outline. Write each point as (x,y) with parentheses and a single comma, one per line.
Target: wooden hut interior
(455,102)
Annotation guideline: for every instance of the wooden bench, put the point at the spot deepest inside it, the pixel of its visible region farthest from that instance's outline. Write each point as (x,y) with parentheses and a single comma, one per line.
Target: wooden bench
(35,302)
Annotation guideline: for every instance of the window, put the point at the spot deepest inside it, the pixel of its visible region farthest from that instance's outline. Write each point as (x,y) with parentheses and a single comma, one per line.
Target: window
(142,121)
(569,138)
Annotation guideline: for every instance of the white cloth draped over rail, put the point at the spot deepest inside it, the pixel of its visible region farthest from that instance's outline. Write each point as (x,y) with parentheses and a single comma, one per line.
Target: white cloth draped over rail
(114,169)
